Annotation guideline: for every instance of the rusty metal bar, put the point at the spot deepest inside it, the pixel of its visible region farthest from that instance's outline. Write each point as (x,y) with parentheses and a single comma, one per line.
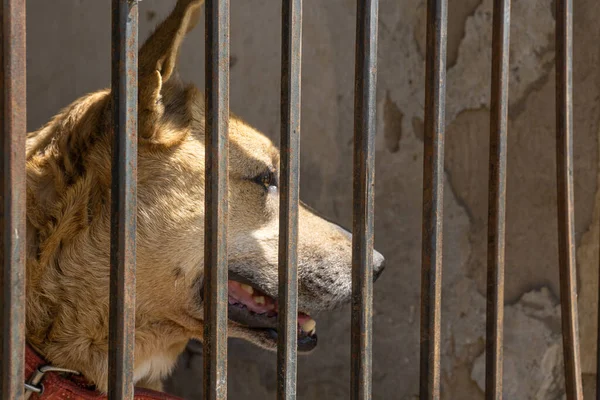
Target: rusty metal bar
(598,343)
(291,59)
(566,220)
(123,198)
(365,81)
(598,346)
(497,200)
(216,181)
(433,198)
(14,130)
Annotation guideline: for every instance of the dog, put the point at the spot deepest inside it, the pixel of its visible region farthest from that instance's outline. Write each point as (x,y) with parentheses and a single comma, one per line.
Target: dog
(68,227)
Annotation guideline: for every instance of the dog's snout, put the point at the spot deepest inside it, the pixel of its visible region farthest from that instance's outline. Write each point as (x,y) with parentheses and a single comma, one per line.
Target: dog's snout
(378,271)
(378,258)
(378,265)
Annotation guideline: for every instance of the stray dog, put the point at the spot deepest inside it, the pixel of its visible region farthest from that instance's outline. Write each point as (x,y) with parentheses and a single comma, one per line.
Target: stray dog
(68,227)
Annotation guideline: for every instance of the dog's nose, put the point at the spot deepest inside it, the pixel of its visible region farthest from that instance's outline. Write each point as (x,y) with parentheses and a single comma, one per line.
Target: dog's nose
(377,273)
(378,264)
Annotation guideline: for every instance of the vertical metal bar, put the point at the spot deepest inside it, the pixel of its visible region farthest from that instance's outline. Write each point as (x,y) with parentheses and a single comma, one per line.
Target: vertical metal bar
(433,198)
(216,181)
(566,221)
(123,198)
(365,81)
(497,200)
(14,131)
(291,59)
(598,344)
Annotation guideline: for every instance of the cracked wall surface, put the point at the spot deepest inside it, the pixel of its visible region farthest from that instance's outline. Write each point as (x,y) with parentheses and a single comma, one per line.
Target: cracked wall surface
(69,55)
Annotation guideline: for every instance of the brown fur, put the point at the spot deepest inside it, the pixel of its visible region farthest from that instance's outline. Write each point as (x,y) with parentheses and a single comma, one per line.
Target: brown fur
(68,223)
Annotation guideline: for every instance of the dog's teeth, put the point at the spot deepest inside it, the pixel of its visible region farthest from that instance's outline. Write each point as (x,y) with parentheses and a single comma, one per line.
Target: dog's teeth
(259,299)
(309,326)
(247,288)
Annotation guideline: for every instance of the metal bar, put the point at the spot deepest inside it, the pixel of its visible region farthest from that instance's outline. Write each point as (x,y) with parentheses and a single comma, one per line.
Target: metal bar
(291,59)
(123,198)
(433,198)
(14,132)
(365,81)
(598,344)
(566,220)
(216,181)
(497,199)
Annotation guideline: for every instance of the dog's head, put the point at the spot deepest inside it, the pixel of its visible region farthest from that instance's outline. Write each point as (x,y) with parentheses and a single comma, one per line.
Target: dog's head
(171,211)
(324,248)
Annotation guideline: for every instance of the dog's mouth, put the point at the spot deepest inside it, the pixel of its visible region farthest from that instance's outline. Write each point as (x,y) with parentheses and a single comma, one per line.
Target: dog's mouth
(253,309)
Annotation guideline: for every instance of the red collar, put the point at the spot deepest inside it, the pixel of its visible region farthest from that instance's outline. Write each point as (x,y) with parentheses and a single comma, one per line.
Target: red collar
(59,387)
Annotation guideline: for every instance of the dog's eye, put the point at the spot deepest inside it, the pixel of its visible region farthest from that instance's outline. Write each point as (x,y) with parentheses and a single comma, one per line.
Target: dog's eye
(266,179)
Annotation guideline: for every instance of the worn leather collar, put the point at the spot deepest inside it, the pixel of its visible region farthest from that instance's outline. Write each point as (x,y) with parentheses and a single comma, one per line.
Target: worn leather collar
(64,387)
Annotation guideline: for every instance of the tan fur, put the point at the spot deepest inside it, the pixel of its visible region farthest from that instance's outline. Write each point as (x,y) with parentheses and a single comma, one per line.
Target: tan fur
(68,222)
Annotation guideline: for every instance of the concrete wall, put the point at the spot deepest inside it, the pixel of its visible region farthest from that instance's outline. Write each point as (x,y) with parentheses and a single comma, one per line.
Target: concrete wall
(69,55)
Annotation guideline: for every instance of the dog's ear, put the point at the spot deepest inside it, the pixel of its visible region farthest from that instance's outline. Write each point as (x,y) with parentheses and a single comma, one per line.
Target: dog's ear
(156,63)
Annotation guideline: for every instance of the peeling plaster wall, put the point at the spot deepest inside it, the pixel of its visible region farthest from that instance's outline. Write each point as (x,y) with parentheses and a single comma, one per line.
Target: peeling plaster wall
(69,55)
